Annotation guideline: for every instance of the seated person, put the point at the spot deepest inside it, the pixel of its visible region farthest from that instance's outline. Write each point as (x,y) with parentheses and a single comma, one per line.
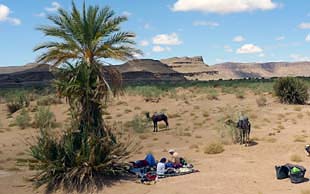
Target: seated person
(161,168)
(175,159)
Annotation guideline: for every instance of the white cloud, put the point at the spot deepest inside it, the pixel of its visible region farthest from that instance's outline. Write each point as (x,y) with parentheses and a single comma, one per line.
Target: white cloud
(279,38)
(238,39)
(228,49)
(160,49)
(126,13)
(206,23)
(54,7)
(144,43)
(304,25)
(147,26)
(307,39)
(297,57)
(223,6)
(42,14)
(167,39)
(262,55)
(14,21)
(249,49)
(5,16)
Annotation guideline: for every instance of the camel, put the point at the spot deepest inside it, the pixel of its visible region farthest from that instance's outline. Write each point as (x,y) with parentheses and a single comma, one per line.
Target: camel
(244,126)
(156,117)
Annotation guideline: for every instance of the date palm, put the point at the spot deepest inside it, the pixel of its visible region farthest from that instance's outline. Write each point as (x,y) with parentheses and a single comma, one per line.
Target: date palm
(88,151)
(90,36)
(86,39)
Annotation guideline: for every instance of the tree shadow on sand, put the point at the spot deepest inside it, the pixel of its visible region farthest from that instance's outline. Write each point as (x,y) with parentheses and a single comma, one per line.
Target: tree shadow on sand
(99,183)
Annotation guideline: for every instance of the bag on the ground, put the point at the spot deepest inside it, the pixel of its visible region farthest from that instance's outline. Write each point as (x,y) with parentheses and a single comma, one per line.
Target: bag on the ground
(282,172)
(297,174)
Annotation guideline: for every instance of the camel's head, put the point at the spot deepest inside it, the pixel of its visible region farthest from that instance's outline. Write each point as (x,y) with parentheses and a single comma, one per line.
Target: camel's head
(230,122)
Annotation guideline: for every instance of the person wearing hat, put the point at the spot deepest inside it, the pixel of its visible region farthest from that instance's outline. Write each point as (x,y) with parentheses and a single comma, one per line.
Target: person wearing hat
(175,159)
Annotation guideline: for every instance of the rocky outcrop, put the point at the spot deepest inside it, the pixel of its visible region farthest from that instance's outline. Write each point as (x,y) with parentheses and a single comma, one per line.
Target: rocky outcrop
(29,75)
(148,71)
(231,70)
(133,72)
(179,61)
(186,65)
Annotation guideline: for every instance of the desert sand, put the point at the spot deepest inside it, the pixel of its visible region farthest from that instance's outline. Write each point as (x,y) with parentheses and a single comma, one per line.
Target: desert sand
(278,132)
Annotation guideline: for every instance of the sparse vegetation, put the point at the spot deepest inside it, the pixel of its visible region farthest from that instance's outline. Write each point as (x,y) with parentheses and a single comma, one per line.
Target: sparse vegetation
(139,124)
(261,101)
(23,119)
(17,102)
(48,100)
(44,118)
(291,90)
(214,148)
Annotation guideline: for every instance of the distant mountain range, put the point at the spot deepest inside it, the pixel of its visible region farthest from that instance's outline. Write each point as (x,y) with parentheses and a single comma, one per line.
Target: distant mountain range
(171,69)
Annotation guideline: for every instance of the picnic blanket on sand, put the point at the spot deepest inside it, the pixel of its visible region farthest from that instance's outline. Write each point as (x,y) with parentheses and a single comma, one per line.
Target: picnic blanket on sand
(151,177)
(180,172)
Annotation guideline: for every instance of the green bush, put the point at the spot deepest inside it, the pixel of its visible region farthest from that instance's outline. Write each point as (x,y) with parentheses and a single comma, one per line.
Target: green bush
(77,159)
(48,100)
(138,124)
(17,102)
(44,118)
(291,90)
(23,119)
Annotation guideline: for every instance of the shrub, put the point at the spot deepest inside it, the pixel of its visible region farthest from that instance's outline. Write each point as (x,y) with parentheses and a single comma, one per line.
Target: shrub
(213,95)
(240,94)
(44,118)
(261,101)
(17,102)
(214,148)
(23,119)
(74,164)
(291,90)
(48,100)
(138,124)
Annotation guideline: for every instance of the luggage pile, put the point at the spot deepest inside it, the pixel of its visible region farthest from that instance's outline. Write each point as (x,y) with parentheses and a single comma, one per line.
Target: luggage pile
(296,173)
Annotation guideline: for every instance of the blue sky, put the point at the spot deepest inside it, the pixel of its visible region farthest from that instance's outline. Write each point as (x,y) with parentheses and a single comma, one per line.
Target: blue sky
(219,30)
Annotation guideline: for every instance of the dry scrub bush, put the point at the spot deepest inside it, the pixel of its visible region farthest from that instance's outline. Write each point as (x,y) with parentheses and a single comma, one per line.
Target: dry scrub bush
(214,148)
(261,101)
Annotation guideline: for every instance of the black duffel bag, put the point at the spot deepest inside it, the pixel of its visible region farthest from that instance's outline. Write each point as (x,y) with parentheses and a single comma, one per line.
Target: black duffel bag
(282,172)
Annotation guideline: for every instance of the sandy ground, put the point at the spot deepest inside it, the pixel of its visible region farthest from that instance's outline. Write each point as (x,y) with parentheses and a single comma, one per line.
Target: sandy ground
(238,170)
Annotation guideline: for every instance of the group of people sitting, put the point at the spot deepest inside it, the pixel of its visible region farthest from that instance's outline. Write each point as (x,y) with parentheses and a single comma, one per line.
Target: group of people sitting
(176,162)
(162,167)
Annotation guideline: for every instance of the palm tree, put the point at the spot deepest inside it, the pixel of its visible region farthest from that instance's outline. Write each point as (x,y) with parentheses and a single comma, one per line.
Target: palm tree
(89,150)
(85,39)
(90,36)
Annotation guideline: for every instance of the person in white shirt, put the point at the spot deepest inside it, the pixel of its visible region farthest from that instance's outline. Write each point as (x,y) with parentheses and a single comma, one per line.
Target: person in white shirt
(161,168)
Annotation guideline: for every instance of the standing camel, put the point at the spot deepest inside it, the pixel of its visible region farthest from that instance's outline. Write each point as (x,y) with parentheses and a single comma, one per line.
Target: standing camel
(156,117)
(244,127)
